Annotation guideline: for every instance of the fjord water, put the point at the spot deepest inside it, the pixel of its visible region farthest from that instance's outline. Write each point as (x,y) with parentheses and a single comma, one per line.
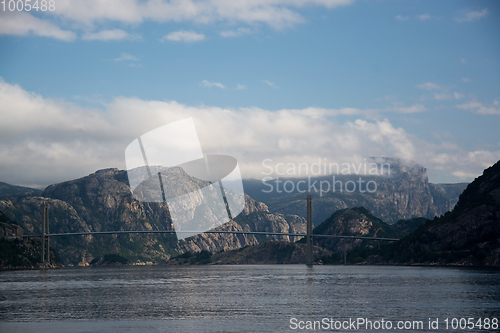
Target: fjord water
(239,298)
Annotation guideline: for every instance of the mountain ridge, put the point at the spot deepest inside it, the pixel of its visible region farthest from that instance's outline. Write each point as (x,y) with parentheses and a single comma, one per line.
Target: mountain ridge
(405,194)
(102,201)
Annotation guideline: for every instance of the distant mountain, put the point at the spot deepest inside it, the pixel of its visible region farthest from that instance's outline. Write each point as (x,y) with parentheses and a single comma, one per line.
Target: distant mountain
(102,201)
(404,194)
(468,235)
(452,191)
(8,189)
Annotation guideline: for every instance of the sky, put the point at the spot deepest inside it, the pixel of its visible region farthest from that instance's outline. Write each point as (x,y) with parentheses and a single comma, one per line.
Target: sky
(283,80)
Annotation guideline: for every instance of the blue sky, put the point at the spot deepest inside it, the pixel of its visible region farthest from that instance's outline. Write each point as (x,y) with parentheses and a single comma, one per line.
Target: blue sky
(282,79)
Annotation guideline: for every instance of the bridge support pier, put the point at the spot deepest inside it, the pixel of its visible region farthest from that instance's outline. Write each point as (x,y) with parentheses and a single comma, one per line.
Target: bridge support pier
(45,230)
(309,244)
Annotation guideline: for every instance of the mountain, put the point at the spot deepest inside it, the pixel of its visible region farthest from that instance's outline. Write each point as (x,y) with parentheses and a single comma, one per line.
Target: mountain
(102,201)
(357,221)
(402,193)
(8,189)
(468,235)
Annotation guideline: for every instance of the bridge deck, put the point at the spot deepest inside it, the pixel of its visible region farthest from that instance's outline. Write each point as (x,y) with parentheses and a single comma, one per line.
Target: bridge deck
(83,233)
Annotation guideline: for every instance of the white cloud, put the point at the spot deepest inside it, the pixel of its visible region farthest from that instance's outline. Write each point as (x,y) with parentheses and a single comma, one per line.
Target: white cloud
(276,13)
(408,109)
(270,84)
(443,96)
(472,15)
(401,18)
(464,175)
(424,17)
(429,86)
(87,14)
(464,79)
(463,61)
(480,108)
(44,141)
(209,84)
(236,33)
(107,35)
(183,36)
(240,87)
(126,56)
(443,93)
(24,24)
(467,165)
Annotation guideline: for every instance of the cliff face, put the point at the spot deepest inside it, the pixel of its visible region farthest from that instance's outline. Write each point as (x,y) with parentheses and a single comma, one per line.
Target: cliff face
(98,202)
(255,217)
(405,193)
(102,201)
(470,234)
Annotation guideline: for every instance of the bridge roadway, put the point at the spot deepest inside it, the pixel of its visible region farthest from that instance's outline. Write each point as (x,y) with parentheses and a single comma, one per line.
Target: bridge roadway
(264,233)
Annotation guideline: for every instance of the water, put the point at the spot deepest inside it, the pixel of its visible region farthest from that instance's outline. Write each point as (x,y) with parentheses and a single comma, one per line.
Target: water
(241,298)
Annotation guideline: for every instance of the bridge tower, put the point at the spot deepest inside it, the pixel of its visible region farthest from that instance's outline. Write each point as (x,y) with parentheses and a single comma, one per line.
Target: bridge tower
(45,230)
(309,244)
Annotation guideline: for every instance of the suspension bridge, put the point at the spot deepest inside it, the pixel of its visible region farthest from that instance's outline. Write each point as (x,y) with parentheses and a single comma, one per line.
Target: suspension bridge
(45,235)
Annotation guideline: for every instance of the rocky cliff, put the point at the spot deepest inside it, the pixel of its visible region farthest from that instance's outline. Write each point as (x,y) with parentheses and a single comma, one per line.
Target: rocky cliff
(255,217)
(103,201)
(404,193)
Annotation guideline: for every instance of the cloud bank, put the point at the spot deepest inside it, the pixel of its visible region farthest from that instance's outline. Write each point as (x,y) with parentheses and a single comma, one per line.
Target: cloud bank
(43,141)
(24,24)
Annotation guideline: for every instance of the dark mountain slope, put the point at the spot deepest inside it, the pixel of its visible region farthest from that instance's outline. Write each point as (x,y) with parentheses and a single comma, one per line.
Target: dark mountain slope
(469,235)
(410,225)
(8,189)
